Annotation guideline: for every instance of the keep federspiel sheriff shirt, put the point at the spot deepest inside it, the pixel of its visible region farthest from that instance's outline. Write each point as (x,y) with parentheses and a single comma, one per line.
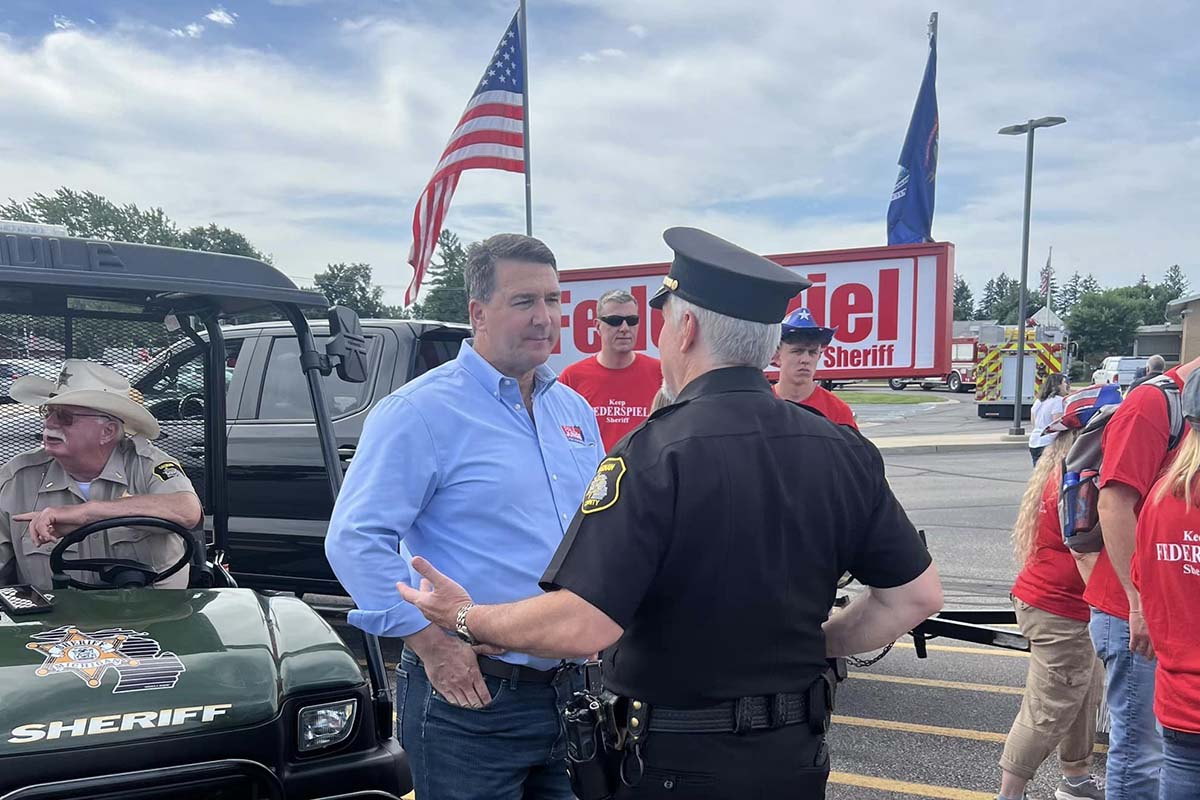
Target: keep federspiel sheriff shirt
(620,398)
(715,536)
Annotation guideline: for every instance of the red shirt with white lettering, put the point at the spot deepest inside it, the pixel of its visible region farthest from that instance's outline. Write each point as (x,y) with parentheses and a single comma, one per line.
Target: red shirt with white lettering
(829,404)
(1166,572)
(620,398)
(1050,580)
(1135,452)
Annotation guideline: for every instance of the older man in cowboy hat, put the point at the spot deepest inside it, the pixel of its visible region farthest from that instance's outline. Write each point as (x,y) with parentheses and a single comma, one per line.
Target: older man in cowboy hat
(95,462)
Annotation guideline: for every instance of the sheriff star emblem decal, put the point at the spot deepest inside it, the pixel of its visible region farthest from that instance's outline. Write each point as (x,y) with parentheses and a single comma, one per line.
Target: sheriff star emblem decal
(605,488)
(89,655)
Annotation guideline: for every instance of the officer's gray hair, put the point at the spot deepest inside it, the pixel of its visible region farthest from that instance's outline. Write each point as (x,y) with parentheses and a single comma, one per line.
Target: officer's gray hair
(482,257)
(731,342)
(617,296)
(1156,364)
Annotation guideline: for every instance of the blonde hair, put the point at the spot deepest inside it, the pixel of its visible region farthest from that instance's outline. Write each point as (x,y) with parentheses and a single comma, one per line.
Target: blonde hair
(1024,533)
(1179,479)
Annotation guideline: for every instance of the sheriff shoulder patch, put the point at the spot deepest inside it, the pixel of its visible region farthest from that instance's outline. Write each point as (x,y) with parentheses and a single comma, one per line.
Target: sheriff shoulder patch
(605,488)
(168,470)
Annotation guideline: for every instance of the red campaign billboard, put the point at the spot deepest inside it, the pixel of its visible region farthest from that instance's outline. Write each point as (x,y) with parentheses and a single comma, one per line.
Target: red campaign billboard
(893,308)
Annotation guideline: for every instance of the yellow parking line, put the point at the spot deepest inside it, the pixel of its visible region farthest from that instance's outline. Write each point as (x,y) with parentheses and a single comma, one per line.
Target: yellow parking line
(930,730)
(978,651)
(905,787)
(970,687)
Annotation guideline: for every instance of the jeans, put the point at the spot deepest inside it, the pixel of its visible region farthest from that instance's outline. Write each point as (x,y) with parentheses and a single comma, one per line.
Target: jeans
(1181,765)
(512,749)
(1134,741)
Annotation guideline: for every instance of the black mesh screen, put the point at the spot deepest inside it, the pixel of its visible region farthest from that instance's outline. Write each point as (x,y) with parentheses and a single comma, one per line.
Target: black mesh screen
(166,374)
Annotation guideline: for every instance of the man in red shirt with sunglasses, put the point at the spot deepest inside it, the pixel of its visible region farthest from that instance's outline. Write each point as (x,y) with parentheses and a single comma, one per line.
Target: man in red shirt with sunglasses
(618,382)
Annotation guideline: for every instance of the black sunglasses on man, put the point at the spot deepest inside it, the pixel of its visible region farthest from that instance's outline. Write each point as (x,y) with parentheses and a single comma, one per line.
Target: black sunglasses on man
(616,319)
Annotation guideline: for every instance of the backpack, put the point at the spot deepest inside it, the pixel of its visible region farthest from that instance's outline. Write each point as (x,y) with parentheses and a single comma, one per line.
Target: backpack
(1079,489)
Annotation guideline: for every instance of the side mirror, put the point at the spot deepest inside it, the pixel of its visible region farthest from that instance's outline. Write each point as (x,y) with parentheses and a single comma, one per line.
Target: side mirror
(347,347)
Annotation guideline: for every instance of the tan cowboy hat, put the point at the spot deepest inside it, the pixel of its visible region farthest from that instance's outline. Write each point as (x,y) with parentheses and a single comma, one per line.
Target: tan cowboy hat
(89,385)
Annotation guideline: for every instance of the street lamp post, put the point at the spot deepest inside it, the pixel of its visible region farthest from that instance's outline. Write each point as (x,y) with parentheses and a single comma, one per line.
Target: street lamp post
(1015,130)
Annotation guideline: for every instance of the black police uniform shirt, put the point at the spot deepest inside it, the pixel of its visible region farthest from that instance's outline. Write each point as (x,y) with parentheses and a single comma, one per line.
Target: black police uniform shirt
(715,534)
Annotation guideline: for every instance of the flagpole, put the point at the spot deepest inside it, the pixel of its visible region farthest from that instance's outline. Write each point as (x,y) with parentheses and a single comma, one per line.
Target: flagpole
(525,120)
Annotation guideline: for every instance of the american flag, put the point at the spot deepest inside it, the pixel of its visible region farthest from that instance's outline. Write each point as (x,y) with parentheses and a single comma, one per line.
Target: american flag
(490,135)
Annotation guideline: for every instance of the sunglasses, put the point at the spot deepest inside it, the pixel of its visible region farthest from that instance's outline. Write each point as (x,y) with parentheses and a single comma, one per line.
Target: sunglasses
(67,417)
(616,319)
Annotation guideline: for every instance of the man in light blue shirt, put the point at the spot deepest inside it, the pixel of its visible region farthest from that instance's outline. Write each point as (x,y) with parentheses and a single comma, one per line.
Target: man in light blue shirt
(479,466)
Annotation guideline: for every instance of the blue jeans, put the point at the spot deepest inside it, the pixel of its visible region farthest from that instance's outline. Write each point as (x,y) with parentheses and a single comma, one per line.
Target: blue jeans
(1134,741)
(1181,765)
(512,749)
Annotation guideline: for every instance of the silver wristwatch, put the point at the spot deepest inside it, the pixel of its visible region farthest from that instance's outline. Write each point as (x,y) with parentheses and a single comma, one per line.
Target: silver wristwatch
(460,625)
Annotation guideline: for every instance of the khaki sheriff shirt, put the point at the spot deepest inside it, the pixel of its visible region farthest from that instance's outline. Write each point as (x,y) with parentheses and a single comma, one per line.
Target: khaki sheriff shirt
(33,481)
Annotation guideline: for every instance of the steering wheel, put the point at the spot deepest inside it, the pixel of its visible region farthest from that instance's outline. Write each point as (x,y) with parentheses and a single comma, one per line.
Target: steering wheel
(192,397)
(121,573)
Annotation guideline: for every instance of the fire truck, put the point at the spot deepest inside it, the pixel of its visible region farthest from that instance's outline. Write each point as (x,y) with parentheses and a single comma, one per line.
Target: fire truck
(996,374)
(964,359)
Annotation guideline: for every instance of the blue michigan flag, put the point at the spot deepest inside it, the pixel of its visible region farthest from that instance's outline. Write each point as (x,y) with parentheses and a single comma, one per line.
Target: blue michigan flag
(910,216)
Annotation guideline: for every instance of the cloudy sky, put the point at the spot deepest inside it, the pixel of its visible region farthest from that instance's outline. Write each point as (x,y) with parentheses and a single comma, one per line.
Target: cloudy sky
(312,126)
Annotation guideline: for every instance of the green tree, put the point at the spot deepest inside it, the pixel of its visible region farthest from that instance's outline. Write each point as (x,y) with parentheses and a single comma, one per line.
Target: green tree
(90,215)
(1089,285)
(1066,298)
(1174,282)
(987,301)
(964,301)
(447,297)
(350,285)
(1104,323)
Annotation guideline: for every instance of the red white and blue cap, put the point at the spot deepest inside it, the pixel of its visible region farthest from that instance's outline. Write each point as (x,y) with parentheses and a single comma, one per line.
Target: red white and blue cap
(800,323)
(1079,407)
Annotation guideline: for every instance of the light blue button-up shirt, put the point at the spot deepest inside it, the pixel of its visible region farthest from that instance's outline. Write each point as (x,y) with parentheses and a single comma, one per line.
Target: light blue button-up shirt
(450,467)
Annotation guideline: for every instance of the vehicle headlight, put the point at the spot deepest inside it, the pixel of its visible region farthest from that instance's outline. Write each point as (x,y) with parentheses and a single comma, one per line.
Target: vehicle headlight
(325,725)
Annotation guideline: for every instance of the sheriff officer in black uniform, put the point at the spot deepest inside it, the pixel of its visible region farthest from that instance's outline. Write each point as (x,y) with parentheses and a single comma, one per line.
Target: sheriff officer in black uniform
(705,555)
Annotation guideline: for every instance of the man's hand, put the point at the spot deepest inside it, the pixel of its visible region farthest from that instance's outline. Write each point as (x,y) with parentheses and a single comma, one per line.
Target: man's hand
(439,598)
(1139,636)
(51,523)
(452,667)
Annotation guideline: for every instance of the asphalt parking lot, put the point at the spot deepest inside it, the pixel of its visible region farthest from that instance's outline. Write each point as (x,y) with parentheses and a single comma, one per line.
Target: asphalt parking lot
(909,727)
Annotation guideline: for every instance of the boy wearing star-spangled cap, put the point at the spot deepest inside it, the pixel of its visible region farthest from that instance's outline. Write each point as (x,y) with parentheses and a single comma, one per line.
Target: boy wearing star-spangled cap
(800,348)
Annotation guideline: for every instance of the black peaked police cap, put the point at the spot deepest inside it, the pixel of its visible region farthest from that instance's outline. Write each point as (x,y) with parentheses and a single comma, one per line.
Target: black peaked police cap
(722,277)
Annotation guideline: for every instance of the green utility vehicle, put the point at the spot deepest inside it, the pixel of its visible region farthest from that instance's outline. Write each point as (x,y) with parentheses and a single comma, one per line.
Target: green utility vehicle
(110,688)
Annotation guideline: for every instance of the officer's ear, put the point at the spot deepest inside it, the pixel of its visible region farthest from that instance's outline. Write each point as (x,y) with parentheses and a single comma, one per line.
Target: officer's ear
(689,331)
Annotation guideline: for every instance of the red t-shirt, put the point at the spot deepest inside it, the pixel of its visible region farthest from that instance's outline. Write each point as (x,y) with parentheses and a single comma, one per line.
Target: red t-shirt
(1135,452)
(621,398)
(1166,572)
(1050,581)
(832,406)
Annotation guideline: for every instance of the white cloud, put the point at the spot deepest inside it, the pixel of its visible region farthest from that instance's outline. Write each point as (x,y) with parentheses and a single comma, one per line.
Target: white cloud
(637,30)
(220,16)
(62,23)
(589,57)
(612,52)
(193,30)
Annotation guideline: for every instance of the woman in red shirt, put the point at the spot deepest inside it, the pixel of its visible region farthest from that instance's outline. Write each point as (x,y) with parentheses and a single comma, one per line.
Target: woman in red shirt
(1065,679)
(1166,572)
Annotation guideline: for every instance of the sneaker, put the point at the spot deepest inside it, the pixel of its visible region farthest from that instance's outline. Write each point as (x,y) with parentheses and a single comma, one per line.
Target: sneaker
(1091,789)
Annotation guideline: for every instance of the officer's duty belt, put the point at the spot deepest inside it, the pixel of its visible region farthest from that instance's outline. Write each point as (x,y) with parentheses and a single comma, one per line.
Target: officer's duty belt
(733,716)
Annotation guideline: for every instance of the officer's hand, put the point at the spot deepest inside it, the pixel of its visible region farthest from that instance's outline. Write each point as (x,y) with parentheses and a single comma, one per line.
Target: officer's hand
(439,598)
(1139,636)
(452,667)
(50,523)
